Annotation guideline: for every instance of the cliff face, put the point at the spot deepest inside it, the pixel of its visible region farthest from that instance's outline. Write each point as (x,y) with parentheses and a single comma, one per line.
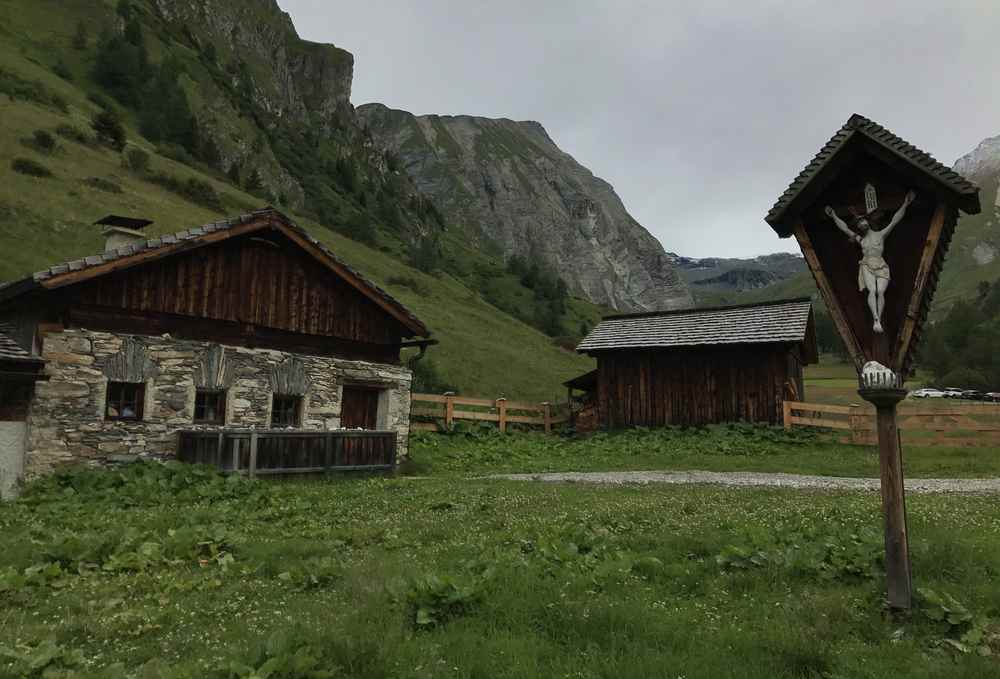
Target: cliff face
(292,78)
(508,182)
(977,240)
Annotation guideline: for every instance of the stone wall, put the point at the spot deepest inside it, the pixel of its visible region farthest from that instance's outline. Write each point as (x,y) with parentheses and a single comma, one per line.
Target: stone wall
(66,422)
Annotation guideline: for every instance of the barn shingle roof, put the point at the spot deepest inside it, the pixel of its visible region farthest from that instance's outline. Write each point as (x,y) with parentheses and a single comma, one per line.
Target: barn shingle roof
(781,321)
(11,350)
(966,192)
(14,288)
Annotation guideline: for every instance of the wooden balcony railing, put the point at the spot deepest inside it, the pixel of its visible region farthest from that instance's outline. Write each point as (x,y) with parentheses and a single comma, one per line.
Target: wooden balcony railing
(268,452)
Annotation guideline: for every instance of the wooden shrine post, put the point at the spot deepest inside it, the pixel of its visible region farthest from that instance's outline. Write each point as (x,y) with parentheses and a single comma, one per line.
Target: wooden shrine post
(873,216)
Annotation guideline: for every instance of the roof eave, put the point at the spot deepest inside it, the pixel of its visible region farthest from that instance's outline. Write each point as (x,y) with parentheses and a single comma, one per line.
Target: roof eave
(786,210)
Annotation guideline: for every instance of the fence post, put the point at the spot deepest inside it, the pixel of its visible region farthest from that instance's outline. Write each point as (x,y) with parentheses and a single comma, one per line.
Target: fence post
(547,414)
(253,455)
(856,419)
(786,410)
(449,409)
(219,450)
(502,412)
(236,454)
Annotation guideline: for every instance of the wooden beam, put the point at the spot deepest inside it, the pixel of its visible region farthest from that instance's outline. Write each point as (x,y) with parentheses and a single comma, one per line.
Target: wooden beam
(826,290)
(913,310)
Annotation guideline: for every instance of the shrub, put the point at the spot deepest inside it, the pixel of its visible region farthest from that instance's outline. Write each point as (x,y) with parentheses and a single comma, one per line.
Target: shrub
(567,342)
(43,141)
(195,190)
(410,283)
(17,87)
(30,167)
(62,70)
(136,160)
(103,184)
(175,152)
(109,129)
(72,133)
(80,38)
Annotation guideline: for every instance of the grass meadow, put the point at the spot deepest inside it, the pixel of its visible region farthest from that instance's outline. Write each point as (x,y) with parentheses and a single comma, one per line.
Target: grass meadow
(731,447)
(154,571)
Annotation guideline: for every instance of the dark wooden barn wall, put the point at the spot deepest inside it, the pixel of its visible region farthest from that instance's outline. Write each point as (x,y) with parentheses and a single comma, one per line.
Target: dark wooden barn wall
(250,281)
(694,386)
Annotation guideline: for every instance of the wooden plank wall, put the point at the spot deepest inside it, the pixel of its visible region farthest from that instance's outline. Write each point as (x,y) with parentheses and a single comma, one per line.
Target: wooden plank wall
(264,282)
(692,387)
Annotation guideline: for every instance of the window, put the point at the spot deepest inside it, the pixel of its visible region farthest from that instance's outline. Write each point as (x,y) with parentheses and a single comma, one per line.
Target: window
(285,410)
(359,408)
(209,407)
(124,401)
(14,399)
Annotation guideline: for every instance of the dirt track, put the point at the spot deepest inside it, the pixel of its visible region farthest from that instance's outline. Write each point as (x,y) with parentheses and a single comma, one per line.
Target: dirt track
(978,486)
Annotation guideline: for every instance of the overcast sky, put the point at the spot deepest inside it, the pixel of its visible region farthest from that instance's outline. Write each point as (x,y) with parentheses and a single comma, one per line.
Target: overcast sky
(698,113)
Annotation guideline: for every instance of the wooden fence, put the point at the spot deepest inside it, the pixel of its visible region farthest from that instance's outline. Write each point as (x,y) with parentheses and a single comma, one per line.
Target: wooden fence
(960,425)
(500,410)
(259,453)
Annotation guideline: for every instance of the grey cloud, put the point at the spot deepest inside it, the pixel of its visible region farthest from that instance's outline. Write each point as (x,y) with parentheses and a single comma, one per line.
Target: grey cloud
(698,113)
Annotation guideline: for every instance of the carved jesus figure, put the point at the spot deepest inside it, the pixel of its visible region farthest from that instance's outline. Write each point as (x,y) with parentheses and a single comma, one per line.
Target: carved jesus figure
(873,272)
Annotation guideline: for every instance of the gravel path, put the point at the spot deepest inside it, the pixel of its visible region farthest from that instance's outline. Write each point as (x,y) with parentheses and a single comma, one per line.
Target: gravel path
(761,479)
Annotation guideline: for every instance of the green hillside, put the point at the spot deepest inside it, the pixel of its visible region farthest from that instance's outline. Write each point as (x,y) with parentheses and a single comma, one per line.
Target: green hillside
(46,219)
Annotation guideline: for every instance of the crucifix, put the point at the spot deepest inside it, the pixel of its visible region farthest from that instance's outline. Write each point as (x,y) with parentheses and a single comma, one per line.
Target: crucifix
(879,322)
(873,272)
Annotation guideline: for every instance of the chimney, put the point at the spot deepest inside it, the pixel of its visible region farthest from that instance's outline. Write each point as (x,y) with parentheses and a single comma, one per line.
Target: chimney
(122,231)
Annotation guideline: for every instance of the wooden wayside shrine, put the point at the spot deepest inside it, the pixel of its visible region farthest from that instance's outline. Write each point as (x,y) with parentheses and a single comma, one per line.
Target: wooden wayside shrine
(873,216)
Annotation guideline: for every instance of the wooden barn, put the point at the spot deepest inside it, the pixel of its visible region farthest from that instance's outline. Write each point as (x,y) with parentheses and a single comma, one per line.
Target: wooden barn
(244,343)
(696,366)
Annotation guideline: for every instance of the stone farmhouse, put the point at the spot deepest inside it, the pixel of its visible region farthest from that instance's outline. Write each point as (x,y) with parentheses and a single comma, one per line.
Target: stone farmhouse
(244,324)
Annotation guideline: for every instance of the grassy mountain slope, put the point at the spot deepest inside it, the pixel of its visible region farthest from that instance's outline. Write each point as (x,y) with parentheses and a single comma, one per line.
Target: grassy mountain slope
(45,220)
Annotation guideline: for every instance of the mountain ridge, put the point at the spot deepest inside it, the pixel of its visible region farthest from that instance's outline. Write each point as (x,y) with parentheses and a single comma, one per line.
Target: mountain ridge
(509,183)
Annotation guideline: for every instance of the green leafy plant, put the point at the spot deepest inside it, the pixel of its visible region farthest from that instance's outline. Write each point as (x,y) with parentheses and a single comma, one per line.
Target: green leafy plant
(741,558)
(962,630)
(46,658)
(435,599)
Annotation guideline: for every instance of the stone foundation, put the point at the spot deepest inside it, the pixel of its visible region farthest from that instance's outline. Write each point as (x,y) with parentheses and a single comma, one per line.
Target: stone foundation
(66,422)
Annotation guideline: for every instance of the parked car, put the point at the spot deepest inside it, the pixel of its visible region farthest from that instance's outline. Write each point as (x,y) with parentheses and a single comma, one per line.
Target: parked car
(993,396)
(952,392)
(927,393)
(972,395)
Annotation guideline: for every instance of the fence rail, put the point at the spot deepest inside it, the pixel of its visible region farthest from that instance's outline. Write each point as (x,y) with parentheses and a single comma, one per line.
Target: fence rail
(970,425)
(261,453)
(500,410)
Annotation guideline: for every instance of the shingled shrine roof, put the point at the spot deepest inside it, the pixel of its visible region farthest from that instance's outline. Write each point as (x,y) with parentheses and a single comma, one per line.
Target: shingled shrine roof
(191,238)
(781,321)
(966,193)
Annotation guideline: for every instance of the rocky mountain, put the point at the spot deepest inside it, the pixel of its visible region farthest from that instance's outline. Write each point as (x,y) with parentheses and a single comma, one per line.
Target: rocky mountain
(977,240)
(735,274)
(507,183)
(740,279)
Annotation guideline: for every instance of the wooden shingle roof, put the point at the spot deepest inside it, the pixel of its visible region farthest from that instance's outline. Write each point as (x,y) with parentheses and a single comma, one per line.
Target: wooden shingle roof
(114,260)
(966,193)
(11,350)
(785,321)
